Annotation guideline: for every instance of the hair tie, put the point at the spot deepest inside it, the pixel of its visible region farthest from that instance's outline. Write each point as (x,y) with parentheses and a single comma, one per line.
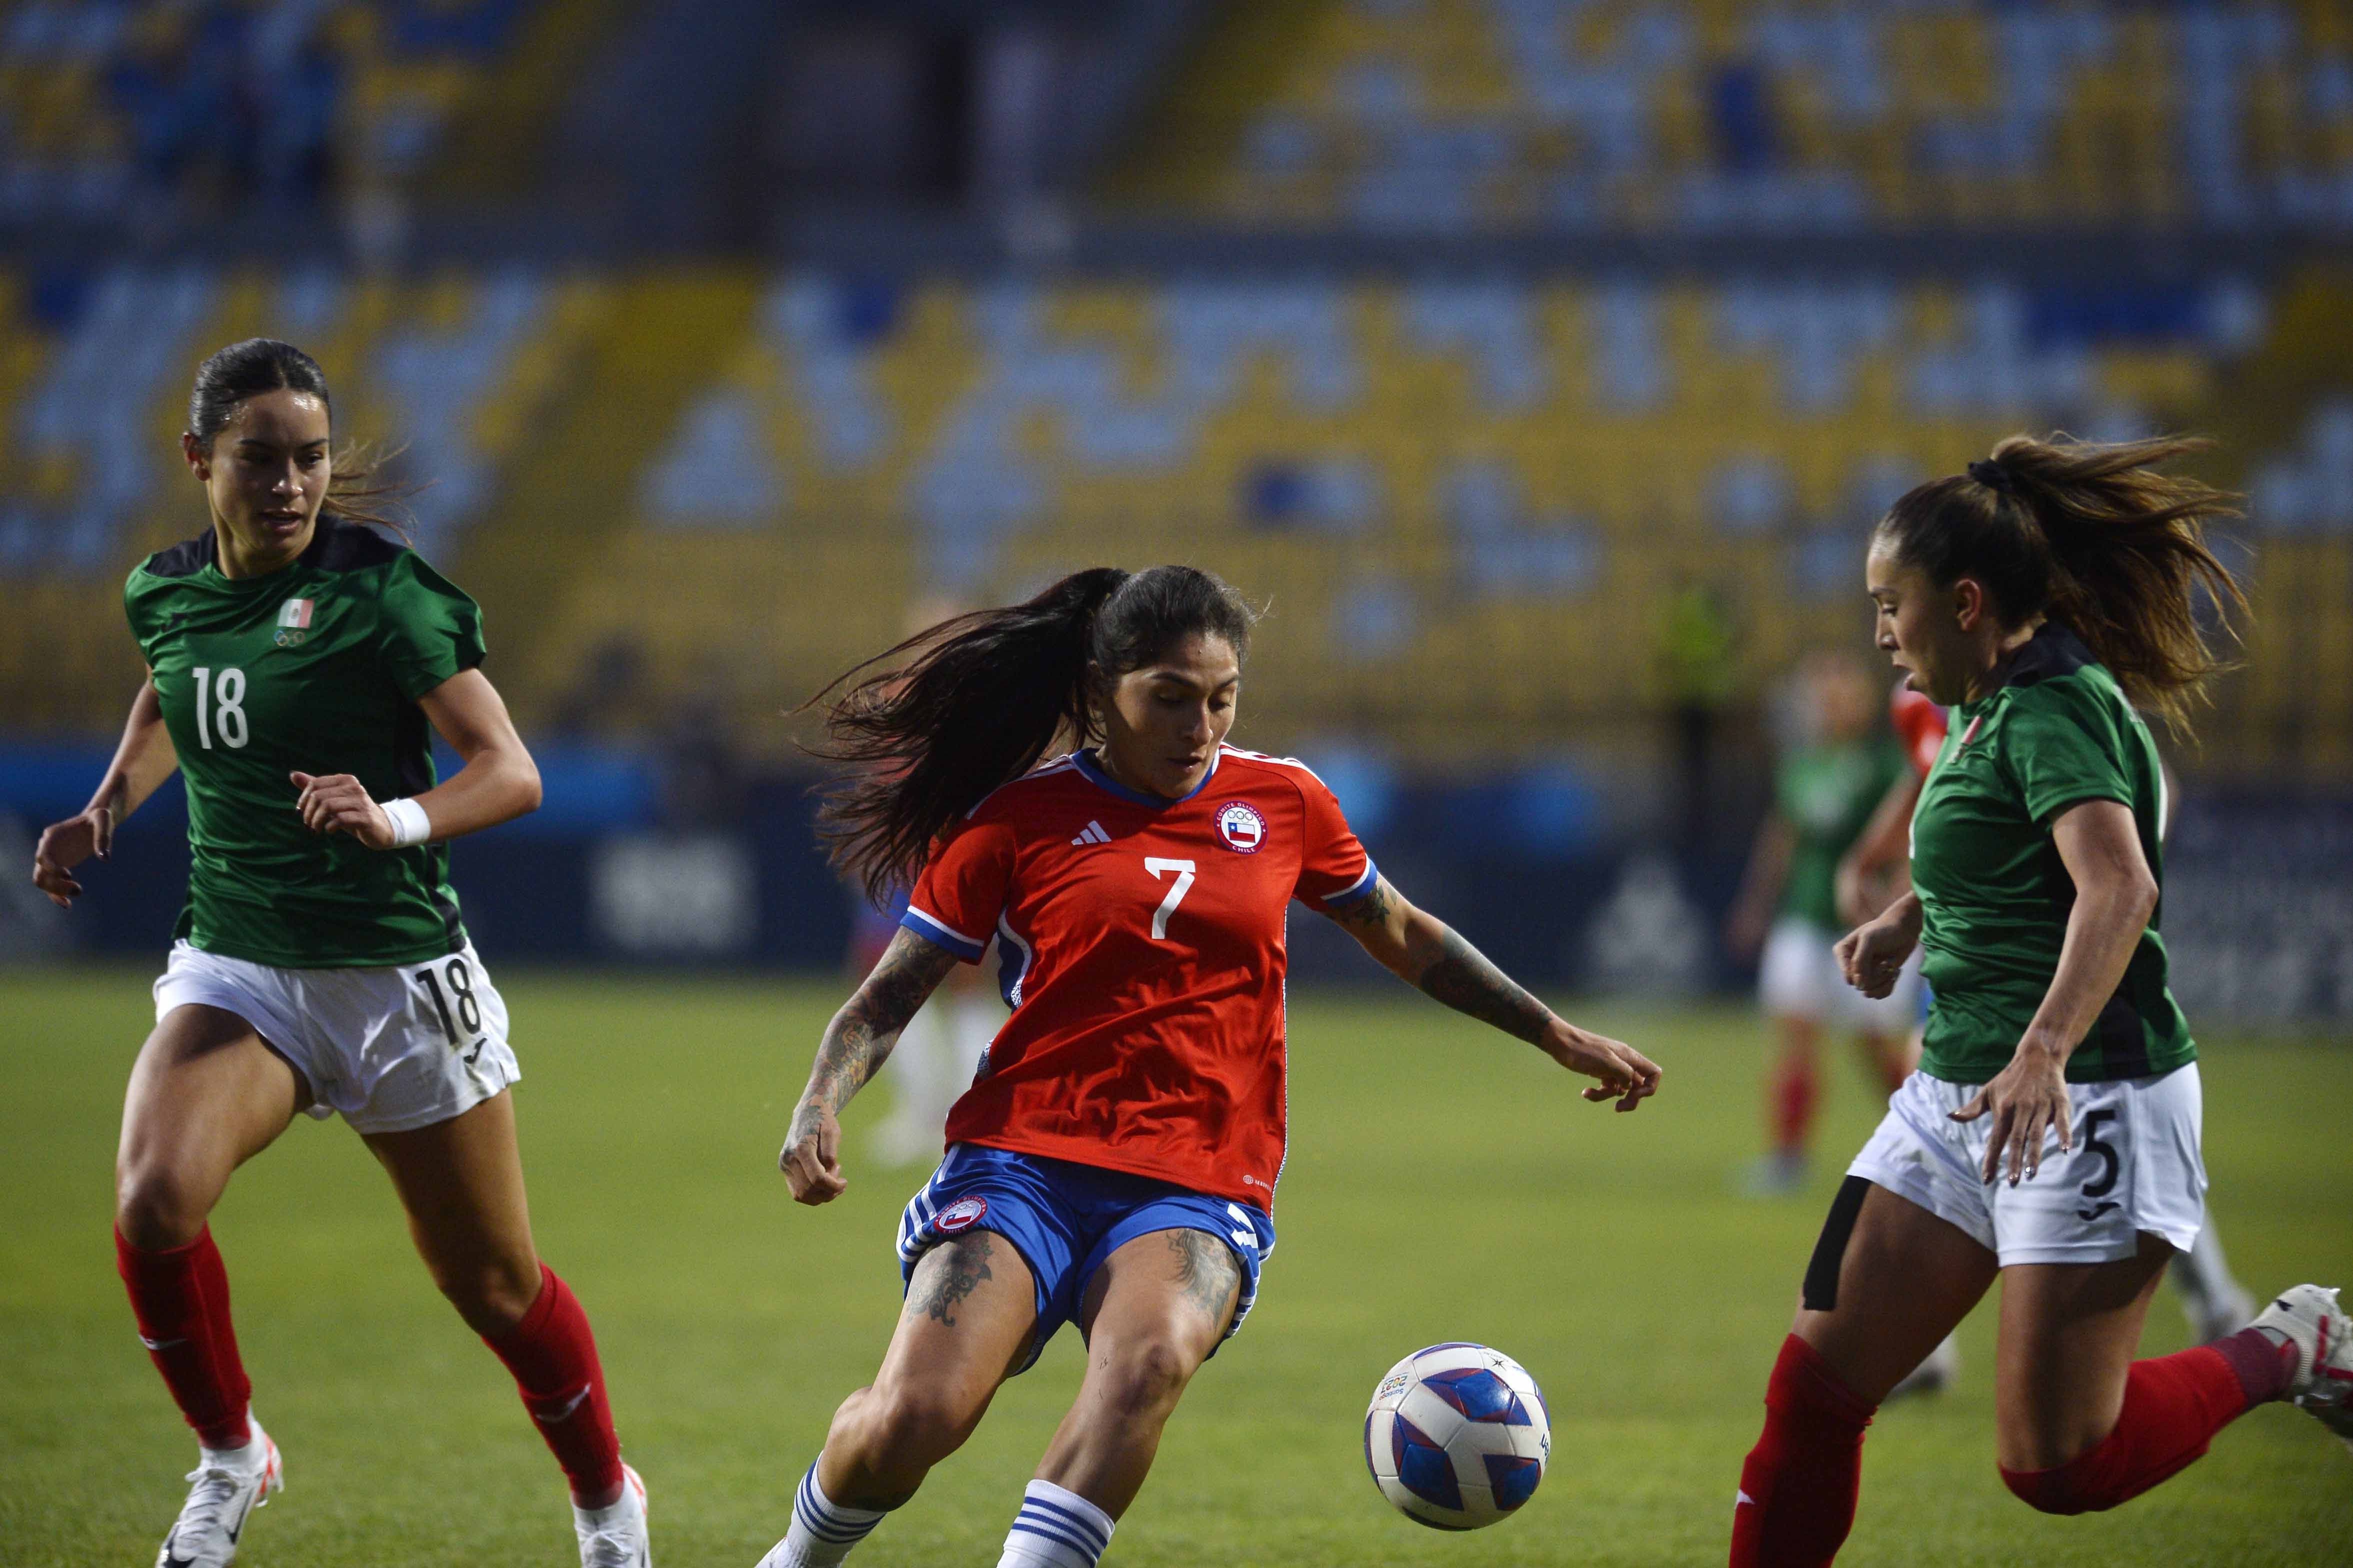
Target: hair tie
(1993,476)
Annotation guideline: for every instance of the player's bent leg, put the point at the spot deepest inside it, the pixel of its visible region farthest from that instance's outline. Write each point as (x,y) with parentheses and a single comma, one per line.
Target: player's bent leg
(971,1305)
(1153,1314)
(205,1096)
(461,1182)
(2082,1426)
(1888,1281)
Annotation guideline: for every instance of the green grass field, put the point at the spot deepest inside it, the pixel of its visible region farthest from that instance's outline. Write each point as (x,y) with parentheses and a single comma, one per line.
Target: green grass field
(1442,1184)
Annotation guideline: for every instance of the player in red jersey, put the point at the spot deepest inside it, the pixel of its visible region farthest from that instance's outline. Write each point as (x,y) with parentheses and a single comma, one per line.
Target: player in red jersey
(1114,1163)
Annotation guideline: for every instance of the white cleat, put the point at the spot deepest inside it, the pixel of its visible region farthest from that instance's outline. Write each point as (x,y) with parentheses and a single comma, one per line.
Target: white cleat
(2309,1318)
(223,1489)
(615,1536)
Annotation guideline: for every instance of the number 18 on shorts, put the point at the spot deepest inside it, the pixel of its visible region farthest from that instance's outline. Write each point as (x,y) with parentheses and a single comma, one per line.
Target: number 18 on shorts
(389,1048)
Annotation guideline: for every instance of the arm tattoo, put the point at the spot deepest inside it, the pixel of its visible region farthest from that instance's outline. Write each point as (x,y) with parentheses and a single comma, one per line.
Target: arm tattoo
(1372,910)
(1467,980)
(1206,1275)
(964,1265)
(859,1038)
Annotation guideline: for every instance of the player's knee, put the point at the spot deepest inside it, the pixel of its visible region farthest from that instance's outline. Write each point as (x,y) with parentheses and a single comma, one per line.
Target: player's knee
(908,1429)
(154,1207)
(2060,1490)
(494,1296)
(1145,1375)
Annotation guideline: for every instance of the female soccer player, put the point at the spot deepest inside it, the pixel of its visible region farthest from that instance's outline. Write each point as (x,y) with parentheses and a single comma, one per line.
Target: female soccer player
(295,659)
(2052,1133)
(1824,790)
(2211,1297)
(1114,1163)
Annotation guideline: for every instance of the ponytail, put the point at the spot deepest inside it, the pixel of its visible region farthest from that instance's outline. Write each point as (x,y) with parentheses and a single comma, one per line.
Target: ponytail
(979,700)
(2093,536)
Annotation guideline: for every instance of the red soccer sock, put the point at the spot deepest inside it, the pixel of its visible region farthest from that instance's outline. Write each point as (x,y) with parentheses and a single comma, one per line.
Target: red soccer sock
(180,1295)
(1799,1486)
(1794,1094)
(2173,1407)
(552,1355)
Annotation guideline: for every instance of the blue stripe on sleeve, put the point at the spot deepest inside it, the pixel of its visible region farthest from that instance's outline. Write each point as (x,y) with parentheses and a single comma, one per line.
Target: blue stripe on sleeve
(1358,890)
(931,929)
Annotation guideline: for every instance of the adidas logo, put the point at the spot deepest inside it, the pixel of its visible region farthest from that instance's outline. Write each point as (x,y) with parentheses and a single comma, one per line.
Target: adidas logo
(1093,835)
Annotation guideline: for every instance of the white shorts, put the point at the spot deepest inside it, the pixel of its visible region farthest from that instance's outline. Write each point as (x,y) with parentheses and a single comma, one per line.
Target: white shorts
(390,1049)
(2136,1167)
(1799,978)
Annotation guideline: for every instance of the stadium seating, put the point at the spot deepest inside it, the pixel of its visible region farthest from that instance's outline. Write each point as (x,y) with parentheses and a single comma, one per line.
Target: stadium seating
(120,112)
(1436,479)
(1678,116)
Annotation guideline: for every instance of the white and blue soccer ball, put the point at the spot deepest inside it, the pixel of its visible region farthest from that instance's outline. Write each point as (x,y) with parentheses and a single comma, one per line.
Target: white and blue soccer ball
(1458,1437)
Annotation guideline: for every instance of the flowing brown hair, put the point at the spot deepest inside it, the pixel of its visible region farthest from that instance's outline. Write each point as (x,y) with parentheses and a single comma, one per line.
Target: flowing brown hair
(974,702)
(2092,535)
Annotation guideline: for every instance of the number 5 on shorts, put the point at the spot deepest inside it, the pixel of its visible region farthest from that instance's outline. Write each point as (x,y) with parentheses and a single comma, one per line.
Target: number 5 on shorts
(1159,867)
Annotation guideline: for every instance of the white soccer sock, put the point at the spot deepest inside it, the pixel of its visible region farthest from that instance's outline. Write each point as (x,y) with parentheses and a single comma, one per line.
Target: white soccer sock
(1056,1528)
(823,1532)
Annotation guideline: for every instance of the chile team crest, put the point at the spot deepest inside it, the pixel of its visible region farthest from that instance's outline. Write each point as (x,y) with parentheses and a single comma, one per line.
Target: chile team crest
(1242,828)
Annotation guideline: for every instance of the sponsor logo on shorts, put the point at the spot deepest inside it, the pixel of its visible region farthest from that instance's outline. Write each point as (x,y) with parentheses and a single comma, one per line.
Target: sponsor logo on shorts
(1242,828)
(961,1215)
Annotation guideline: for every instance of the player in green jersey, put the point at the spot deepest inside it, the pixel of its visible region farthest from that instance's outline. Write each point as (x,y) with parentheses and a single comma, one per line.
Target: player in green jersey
(1825,789)
(298,662)
(2051,1137)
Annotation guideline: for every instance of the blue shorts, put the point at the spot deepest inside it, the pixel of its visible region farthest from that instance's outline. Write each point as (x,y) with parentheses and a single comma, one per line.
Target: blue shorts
(1065,1219)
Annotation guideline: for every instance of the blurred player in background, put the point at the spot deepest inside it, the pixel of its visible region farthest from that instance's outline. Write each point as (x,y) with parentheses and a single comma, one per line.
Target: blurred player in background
(1825,788)
(296,659)
(2042,596)
(1114,1163)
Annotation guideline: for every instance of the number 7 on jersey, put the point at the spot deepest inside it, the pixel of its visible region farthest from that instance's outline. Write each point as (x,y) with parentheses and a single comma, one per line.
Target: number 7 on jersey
(1159,868)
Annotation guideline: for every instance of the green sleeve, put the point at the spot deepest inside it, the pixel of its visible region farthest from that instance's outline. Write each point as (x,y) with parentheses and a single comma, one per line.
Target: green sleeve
(2062,746)
(134,611)
(428,630)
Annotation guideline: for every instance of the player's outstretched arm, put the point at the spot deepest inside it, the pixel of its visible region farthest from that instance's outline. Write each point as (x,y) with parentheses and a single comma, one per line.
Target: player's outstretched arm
(142,760)
(496,783)
(856,1045)
(1430,955)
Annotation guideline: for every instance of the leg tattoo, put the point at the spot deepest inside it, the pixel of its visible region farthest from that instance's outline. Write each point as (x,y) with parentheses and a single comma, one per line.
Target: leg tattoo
(939,1292)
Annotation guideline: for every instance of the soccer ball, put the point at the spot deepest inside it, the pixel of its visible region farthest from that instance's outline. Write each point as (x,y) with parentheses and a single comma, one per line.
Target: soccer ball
(1457,1436)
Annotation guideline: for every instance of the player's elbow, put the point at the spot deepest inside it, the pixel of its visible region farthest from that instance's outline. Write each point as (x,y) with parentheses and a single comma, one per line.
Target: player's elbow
(527,791)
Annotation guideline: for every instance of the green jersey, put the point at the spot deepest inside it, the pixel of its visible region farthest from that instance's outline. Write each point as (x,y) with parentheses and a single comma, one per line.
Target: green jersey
(1827,793)
(315,668)
(1993,892)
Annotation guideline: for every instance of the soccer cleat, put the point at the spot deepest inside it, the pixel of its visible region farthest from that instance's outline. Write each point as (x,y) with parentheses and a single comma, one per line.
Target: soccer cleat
(615,1536)
(224,1489)
(2309,1317)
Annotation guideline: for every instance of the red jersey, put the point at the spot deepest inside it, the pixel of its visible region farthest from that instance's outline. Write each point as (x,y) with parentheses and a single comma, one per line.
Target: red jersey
(1920,725)
(1143,953)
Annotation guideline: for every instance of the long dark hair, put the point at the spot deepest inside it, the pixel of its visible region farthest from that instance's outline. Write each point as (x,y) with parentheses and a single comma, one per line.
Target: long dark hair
(357,488)
(975,702)
(2091,535)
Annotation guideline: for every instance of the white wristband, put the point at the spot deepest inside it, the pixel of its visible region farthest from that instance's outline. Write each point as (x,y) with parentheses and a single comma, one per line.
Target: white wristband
(409,824)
